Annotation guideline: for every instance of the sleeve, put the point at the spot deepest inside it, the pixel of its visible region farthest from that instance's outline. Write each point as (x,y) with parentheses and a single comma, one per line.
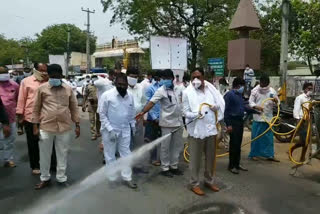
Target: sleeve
(186,108)
(37,107)
(149,93)
(158,95)
(105,123)
(22,98)
(252,99)
(132,112)
(227,116)
(73,105)
(3,114)
(297,108)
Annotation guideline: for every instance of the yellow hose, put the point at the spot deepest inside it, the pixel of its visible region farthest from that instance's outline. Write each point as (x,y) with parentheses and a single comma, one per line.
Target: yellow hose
(271,124)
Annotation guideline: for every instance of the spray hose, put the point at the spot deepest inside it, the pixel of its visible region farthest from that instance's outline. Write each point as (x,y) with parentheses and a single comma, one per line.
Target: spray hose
(272,123)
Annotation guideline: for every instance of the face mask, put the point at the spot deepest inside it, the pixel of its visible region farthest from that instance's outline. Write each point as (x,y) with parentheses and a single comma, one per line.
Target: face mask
(247,68)
(264,90)
(55,82)
(14,78)
(309,93)
(196,83)
(4,77)
(132,81)
(27,74)
(240,90)
(167,83)
(122,91)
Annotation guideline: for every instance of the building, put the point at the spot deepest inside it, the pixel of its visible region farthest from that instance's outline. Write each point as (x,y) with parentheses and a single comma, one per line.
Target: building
(126,53)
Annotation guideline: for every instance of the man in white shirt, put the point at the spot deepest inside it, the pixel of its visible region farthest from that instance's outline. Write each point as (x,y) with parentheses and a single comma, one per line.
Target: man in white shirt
(262,147)
(248,76)
(202,132)
(298,115)
(170,98)
(139,102)
(117,115)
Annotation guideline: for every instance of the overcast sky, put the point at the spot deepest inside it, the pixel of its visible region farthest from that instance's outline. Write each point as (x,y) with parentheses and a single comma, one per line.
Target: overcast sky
(25,18)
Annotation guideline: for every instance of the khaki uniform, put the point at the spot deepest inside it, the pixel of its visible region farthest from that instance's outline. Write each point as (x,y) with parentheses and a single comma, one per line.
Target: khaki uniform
(92,104)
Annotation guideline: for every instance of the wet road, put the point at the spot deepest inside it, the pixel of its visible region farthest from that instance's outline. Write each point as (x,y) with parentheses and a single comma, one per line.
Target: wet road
(266,188)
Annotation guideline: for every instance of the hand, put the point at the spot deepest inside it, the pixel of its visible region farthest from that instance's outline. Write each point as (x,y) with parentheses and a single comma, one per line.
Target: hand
(83,109)
(214,108)
(113,135)
(275,100)
(259,108)
(77,131)
(36,130)
(229,129)
(200,116)
(139,116)
(6,131)
(20,118)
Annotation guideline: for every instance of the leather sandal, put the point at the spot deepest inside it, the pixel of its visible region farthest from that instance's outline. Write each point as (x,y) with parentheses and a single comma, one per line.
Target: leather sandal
(42,185)
(197,190)
(36,172)
(213,187)
(9,164)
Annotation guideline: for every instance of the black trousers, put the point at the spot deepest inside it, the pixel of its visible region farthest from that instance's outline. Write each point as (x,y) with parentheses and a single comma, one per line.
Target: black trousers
(33,148)
(235,143)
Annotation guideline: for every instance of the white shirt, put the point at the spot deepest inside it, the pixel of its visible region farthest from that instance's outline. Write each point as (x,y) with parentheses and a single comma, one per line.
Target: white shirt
(145,84)
(171,108)
(248,74)
(297,110)
(206,126)
(117,113)
(138,96)
(256,99)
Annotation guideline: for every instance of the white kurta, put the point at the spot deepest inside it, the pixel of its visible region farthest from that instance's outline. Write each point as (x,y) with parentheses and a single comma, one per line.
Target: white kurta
(297,111)
(257,98)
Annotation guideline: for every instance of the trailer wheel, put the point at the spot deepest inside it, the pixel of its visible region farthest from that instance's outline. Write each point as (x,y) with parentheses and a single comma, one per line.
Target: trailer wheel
(283,129)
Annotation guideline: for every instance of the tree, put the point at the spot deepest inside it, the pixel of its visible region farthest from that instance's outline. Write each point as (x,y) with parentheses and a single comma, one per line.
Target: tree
(10,51)
(179,18)
(305,34)
(53,39)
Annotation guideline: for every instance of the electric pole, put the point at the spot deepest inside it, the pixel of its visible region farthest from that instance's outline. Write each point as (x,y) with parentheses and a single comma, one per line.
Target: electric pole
(88,11)
(68,52)
(284,47)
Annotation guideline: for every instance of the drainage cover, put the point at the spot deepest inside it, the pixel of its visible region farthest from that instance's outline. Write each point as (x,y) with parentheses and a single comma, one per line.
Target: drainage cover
(214,208)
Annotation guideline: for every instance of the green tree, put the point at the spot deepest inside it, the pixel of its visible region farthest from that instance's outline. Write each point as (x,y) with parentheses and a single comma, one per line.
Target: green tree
(53,39)
(305,34)
(10,51)
(179,18)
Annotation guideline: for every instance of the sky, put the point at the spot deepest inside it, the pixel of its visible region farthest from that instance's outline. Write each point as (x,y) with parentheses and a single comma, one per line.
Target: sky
(25,18)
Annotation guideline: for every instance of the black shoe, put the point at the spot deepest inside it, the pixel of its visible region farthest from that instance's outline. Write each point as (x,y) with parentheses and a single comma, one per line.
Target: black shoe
(167,174)
(137,170)
(104,162)
(64,184)
(234,171)
(242,168)
(131,185)
(176,172)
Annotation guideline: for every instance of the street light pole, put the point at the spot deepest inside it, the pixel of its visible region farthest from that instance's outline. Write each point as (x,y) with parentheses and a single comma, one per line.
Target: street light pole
(284,48)
(88,38)
(68,52)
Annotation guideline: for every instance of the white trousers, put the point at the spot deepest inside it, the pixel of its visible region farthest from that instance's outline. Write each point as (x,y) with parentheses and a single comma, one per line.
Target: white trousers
(122,145)
(171,149)
(62,143)
(8,143)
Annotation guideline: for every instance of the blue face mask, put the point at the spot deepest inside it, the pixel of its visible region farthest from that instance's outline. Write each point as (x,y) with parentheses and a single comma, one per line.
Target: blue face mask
(55,82)
(240,90)
(166,83)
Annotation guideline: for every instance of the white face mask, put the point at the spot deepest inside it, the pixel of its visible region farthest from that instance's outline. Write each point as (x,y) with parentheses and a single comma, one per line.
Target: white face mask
(27,74)
(4,77)
(132,81)
(309,93)
(196,83)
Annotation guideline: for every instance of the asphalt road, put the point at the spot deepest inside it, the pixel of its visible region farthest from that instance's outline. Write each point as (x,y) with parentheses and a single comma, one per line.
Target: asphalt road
(266,188)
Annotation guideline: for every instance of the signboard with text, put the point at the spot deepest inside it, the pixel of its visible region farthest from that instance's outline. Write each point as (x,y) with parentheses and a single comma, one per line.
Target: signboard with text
(216,65)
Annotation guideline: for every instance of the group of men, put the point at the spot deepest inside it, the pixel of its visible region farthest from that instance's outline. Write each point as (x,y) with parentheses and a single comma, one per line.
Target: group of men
(48,109)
